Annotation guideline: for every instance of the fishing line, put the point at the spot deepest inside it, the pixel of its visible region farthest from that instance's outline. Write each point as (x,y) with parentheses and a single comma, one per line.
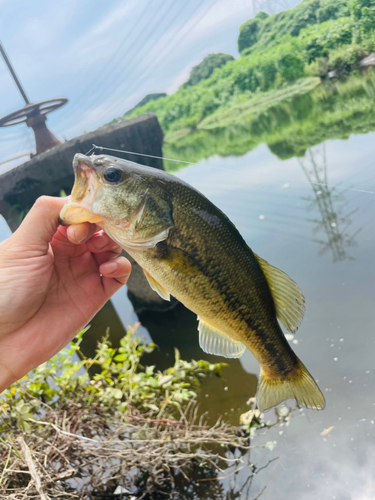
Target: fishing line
(101,148)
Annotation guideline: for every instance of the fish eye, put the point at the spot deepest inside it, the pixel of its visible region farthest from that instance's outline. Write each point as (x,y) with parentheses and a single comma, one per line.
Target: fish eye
(113,175)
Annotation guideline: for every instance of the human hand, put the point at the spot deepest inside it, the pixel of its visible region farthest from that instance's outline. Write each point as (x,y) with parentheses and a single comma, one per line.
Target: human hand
(53,280)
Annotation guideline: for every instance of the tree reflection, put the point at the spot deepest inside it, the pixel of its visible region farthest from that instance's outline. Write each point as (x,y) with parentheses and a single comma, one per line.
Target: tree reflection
(331,204)
(289,126)
(212,484)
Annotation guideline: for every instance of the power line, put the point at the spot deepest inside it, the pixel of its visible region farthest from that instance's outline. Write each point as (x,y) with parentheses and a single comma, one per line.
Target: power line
(156,61)
(136,83)
(143,49)
(21,155)
(109,75)
(110,60)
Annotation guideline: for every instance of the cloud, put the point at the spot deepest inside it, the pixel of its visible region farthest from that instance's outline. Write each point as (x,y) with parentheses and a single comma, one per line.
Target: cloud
(78,49)
(180,78)
(114,17)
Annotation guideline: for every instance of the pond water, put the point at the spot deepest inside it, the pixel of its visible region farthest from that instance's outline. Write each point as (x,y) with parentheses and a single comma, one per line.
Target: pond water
(313,216)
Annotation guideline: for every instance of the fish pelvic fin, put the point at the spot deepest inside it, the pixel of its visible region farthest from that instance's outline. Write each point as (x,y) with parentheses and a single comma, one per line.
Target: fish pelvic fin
(298,385)
(288,298)
(213,341)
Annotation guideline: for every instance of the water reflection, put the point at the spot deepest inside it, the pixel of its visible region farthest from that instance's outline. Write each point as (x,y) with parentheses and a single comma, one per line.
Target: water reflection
(331,205)
(336,338)
(289,127)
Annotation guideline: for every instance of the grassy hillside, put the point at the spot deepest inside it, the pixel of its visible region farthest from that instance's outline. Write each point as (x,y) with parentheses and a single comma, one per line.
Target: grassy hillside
(266,31)
(289,127)
(315,37)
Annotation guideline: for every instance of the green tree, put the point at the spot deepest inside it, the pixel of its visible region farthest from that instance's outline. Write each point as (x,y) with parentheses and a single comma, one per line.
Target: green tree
(363,11)
(290,67)
(332,9)
(250,31)
(204,70)
(145,100)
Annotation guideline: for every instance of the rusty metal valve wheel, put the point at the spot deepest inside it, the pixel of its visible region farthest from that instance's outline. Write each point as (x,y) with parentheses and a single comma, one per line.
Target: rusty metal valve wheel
(32,110)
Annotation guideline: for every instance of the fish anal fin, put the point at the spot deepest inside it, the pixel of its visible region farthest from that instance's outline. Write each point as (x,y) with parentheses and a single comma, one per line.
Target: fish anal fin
(160,290)
(288,298)
(213,341)
(298,385)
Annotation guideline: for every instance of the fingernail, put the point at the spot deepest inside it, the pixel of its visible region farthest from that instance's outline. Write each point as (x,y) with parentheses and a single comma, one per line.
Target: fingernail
(110,267)
(100,242)
(82,237)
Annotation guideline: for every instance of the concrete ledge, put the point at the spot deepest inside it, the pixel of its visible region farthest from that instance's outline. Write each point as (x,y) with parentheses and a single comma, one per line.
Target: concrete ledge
(52,171)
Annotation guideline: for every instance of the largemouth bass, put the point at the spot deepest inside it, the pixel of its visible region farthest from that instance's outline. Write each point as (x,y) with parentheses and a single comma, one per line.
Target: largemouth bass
(188,248)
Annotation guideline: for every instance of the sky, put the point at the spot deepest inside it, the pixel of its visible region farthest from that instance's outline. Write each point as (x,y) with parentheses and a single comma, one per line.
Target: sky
(105,56)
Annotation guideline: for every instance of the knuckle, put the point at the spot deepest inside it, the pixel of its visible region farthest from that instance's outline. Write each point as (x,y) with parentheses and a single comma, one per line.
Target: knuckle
(43,201)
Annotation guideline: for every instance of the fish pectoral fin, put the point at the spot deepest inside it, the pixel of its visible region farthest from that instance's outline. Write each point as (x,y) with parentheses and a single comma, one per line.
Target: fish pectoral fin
(288,298)
(213,341)
(160,290)
(179,260)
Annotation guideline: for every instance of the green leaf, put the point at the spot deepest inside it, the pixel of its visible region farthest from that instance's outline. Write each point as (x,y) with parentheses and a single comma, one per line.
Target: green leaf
(150,370)
(117,394)
(120,357)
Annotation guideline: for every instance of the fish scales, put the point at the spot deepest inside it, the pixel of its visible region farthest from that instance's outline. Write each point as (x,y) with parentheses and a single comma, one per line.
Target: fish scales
(189,248)
(230,285)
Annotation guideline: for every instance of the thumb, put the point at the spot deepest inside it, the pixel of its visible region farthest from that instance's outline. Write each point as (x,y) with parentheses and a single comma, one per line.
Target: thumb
(40,224)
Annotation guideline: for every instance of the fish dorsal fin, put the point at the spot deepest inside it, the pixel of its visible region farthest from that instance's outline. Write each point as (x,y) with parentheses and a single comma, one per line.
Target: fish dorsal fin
(160,290)
(288,298)
(213,341)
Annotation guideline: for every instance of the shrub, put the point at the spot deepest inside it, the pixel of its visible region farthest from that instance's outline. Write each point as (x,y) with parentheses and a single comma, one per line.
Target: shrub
(205,69)
(290,67)
(346,59)
(66,435)
(249,34)
(145,100)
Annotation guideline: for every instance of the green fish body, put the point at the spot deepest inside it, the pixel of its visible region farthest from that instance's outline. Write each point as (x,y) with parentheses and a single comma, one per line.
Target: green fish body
(188,248)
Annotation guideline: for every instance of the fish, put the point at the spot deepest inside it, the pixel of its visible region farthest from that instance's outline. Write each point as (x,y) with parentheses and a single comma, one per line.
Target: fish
(188,248)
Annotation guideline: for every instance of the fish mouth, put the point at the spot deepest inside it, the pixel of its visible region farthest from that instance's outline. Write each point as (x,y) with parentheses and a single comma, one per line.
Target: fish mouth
(78,208)
(74,213)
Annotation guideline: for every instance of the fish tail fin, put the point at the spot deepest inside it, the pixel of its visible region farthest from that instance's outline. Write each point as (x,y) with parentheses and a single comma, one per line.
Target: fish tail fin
(298,385)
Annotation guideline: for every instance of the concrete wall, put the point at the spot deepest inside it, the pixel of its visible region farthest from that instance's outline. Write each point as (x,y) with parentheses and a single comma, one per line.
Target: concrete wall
(52,171)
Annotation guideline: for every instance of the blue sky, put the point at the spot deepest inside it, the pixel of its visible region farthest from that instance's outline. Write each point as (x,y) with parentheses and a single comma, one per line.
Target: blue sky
(104,56)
